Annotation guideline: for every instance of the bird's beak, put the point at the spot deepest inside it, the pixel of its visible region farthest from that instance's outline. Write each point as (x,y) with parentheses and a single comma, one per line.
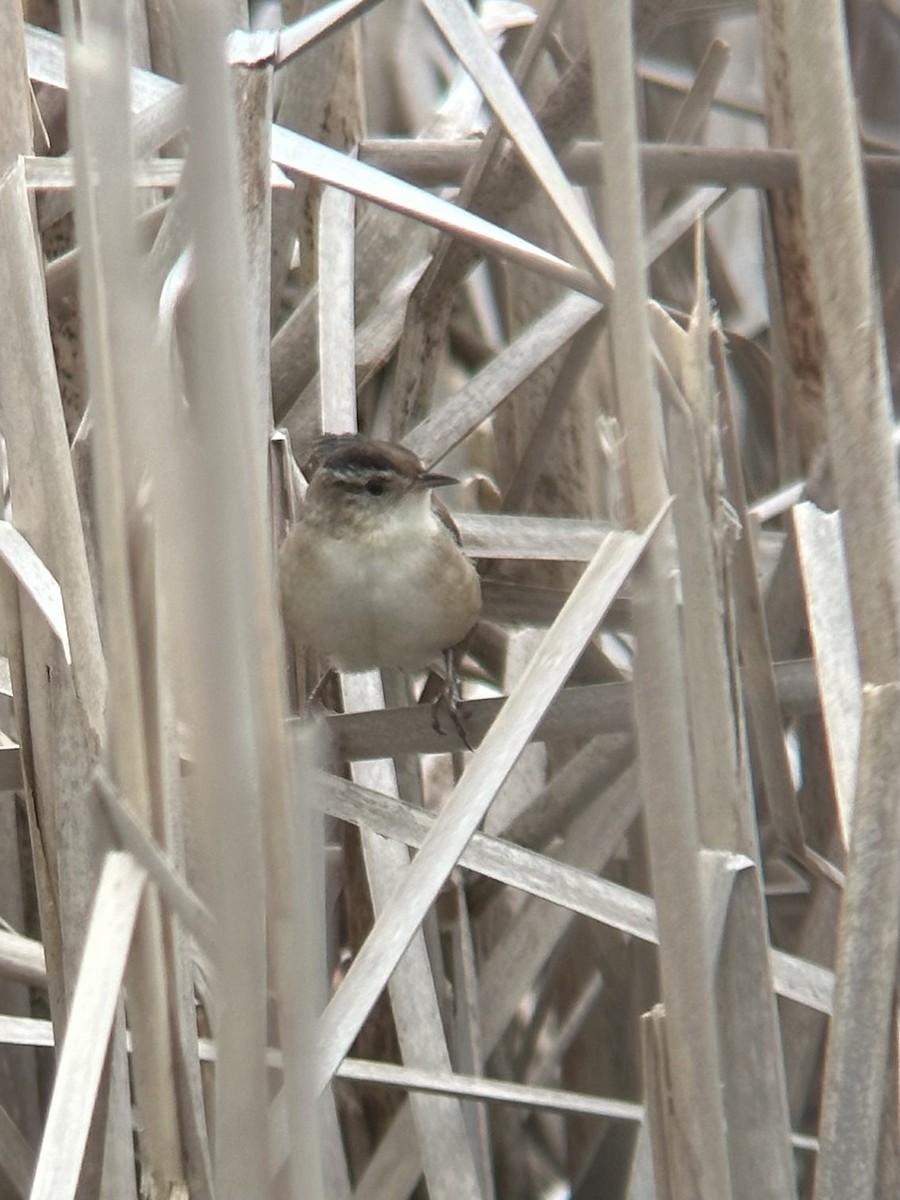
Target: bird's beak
(430,479)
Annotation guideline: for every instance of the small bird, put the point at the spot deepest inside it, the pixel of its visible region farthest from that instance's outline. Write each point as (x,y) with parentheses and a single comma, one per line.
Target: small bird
(373,573)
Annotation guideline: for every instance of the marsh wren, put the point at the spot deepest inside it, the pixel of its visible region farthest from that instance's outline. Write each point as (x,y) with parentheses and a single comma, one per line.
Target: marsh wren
(373,574)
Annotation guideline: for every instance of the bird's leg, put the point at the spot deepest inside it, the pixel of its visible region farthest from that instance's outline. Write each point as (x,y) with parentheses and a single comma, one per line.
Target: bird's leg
(450,696)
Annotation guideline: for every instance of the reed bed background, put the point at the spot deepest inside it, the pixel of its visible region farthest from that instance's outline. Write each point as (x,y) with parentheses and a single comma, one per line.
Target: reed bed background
(631,273)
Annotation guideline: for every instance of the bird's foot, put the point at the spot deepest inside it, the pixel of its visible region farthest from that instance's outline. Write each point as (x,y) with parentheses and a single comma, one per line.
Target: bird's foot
(449,696)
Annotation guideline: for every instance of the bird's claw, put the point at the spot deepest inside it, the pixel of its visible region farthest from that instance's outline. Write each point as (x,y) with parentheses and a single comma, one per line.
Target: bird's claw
(449,695)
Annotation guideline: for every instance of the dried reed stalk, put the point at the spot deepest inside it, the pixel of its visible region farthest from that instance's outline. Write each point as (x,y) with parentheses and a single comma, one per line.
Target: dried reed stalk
(666,813)
(663,737)
(859,434)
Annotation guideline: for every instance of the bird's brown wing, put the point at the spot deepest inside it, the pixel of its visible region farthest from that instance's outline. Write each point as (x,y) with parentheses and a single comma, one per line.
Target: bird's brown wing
(442,512)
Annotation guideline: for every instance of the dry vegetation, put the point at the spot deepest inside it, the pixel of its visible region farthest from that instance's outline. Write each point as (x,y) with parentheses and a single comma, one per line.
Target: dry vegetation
(642,942)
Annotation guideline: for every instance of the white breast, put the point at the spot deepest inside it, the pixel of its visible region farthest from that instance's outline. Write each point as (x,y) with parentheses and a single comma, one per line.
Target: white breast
(396,596)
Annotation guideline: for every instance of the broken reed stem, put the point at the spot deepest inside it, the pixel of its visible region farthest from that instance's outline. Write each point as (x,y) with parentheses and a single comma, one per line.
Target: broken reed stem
(116,312)
(859,433)
(663,736)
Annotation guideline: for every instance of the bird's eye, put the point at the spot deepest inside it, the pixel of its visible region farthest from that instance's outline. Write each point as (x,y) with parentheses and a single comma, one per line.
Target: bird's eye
(375,487)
